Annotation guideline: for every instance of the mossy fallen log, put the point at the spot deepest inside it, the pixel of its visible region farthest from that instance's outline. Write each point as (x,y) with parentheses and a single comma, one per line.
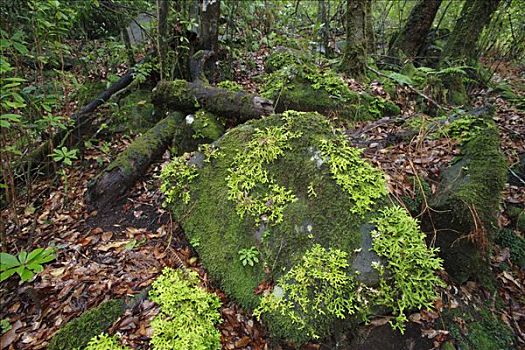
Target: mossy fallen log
(77,333)
(187,97)
(122,173)
(466,204)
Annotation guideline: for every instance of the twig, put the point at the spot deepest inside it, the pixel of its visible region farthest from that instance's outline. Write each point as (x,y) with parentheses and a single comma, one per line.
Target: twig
(429,99)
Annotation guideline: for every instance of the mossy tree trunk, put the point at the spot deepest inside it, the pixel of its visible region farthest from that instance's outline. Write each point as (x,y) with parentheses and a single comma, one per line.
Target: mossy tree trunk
(370,33)
(122,173)
(209,29)
(187,97)
(412,37)
(354,59)
(162,32)
(461,47)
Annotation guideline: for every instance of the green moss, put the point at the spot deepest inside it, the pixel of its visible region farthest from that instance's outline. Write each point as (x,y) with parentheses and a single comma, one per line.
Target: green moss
(207,126)
(135,112)
(230,86)
(483,330)
(79,331)
(104,342)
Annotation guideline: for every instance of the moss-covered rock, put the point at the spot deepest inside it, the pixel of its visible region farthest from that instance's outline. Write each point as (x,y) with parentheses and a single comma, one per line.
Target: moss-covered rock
(467,202)
(477,328)
(309,88)
(77,333)
(275,194)
(135,112)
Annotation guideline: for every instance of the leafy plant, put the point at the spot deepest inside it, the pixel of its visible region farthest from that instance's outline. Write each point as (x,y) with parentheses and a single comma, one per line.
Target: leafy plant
(230,85)
(5,326)
(411,281)
(249,256)
(64,155)
(248,172)
(176,177)
(358,178)
(26,265)
(187,314)
(314,292)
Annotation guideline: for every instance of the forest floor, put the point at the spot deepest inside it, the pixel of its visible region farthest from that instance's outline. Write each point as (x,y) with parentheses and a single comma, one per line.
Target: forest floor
(118,253)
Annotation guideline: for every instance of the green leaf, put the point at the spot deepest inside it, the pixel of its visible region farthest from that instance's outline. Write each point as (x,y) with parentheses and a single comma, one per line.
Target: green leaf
(8,261)
(33,255)
(35,267)
(25,274)
(6,274)
(22,257)
(22,49)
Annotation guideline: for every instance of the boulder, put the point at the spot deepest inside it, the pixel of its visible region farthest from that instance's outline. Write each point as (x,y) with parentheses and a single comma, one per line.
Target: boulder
(466,204)
(292,223)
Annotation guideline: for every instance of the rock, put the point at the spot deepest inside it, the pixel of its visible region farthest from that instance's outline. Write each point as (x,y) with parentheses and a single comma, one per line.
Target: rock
(274,191)
(467,203)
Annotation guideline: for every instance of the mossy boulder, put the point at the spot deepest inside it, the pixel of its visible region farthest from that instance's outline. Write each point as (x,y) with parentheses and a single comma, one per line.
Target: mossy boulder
(466,204)
(310,88)
(286,196)
(77,333)
(135,111)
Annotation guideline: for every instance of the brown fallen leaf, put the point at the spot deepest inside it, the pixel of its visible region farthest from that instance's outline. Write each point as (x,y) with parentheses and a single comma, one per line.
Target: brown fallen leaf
(10,335)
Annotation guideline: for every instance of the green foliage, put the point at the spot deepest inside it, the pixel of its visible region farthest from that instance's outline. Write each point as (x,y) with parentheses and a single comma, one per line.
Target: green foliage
(176,177)
(411,280)
(187,313)
(316,291)
(77,333)
(359,179)
(64,155)
(26,265)
(248,173)
(230,85)
(249,256)
(5,326)
(104,342)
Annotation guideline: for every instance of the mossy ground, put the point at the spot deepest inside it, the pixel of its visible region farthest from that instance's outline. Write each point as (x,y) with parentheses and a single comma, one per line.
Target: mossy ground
(78,332)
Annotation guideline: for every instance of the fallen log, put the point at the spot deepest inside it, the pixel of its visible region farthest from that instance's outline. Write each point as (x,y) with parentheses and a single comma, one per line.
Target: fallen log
(121,174)
(187,97)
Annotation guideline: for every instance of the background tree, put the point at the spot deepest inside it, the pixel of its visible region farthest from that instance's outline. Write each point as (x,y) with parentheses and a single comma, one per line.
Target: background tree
(355,53)
(412,37)
(209,26)
(461,47)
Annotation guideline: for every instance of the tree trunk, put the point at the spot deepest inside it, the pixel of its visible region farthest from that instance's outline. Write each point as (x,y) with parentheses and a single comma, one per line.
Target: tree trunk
(354,60)
(122,173)
(412,37)
(323,19)
(162,32)
(187,97)
(209,27)
(461,46)
(370,33)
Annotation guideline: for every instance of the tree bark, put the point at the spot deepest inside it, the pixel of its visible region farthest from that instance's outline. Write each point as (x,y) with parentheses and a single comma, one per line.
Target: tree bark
(162,32)
(412,37)
(354,59)
(188,97)
(370,33)
(209,26)
(323,19)
(122,173)
(461,47)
